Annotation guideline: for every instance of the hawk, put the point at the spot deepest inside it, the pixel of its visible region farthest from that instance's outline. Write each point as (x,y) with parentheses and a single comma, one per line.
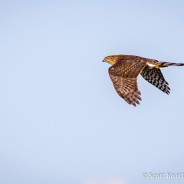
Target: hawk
(125,70)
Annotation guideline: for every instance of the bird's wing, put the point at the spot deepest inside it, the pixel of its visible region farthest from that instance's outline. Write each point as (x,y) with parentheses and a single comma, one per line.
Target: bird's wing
(124,78)
(155,77)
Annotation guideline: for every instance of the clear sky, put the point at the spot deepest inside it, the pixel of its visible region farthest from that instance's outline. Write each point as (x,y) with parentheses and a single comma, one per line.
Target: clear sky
(61,121)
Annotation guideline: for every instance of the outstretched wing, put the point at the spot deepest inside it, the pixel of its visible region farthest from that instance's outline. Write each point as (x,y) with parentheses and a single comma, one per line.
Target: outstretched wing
(124,78)
(155,77)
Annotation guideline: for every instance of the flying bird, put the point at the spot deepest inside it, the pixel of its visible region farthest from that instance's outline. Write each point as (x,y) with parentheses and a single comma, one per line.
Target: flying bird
(125,70)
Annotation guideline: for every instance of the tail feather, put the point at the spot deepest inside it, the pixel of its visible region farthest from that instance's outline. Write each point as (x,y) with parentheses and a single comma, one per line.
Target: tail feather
(166,64)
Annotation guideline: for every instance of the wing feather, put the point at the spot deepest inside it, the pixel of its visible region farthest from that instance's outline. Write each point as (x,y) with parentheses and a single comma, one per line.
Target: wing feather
(124,78)
(156,78)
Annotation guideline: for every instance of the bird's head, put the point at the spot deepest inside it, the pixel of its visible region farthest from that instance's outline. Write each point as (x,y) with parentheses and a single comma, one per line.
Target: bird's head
(111,59)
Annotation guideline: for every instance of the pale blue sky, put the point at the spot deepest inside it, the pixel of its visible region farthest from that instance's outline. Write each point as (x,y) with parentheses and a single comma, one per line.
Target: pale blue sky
(61,121)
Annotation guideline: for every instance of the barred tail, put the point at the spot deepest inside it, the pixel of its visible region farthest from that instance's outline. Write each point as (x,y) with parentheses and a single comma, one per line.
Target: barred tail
(166,64)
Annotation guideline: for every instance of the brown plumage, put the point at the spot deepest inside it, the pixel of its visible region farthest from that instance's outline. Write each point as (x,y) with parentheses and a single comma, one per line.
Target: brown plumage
(126,68)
